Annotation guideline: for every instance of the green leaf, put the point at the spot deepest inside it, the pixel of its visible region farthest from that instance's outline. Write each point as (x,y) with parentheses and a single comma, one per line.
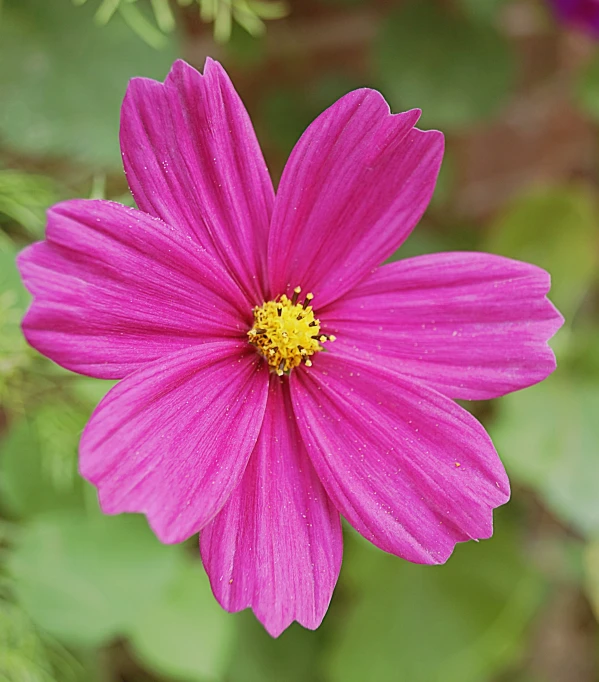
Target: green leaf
(106,11)
(462,622)
(482,10)
(555,228)
(266,9)
(22,654)
(591,565)
(63,79)
(14,353)
(10,280)
(547,436)
(586,88)
(164,15)
(183,632)
(285,114)
(27,655)
(293,657)
(86,580)
(38,463)
(24,198)
(138,22)
(457,72)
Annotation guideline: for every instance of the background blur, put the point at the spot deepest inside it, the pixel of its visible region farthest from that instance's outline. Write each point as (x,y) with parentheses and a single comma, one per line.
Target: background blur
(87,598)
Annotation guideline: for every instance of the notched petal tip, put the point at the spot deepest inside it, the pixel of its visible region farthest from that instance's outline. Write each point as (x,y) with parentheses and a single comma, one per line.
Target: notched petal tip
(192,159)
(376,174)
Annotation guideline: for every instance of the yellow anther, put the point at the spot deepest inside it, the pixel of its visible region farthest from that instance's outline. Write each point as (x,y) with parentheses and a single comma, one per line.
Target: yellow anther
(286,333)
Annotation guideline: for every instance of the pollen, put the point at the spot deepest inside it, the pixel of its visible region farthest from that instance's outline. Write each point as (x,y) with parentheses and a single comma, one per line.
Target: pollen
(286,333)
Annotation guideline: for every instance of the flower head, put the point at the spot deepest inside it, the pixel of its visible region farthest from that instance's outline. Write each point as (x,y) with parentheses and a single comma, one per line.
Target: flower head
(583,14)
(256,413)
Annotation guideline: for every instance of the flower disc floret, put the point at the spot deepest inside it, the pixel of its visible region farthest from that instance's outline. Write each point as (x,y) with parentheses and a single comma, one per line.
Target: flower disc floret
(286,333)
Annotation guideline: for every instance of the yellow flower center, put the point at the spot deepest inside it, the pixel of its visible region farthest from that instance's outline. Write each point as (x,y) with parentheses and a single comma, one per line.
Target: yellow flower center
(286,333)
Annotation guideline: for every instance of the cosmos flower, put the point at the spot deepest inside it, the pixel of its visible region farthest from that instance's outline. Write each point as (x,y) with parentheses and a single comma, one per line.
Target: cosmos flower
(273,377)
(583,14)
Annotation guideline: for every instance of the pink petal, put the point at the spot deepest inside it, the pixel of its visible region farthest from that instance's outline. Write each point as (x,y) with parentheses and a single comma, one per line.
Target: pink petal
(276,546)
(412,471)
(471,325)
(172,440)
(355,185)
(115,288)
(192,158)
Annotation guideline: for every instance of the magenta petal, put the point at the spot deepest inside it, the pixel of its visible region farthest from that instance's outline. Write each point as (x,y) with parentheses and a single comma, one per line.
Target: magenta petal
(471,325)
(276,546)
(192,158)
(115,288)
(355,185)
(172,441)
(412,471)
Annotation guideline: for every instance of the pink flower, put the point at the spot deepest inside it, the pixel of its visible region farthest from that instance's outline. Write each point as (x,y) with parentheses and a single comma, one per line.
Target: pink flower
(238,414)
(583,14)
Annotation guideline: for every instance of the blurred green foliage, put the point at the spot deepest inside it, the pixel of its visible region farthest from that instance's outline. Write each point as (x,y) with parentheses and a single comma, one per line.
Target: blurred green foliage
(250,14)
(89,598)
(460,623)
(63,78)
(456,70)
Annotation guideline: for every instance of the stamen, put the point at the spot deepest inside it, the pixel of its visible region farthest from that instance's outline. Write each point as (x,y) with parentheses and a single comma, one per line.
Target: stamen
(286,333)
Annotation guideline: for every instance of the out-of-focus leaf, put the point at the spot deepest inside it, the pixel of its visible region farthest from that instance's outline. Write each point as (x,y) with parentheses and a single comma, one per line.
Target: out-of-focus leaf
(582,358)
(265,9)
(164,15)
(557,229)
(88,579)
(38,462)
(24,198)
(328,88)
(90,390)
(293,657)
(14,354)
(183,633)
(62,78)
(591,565)
(421,241)
(548,438)
(587,88)
(285,113)
(22,654)
(482,10)
(246,51)
(10,280)
(27,655)
(343,2)
(462,622)
(457,72)
(138,22)
(106,10)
